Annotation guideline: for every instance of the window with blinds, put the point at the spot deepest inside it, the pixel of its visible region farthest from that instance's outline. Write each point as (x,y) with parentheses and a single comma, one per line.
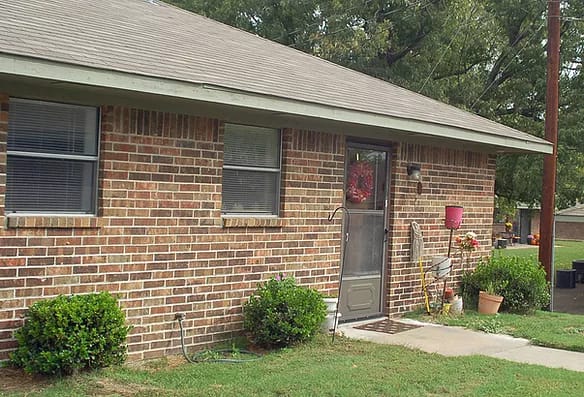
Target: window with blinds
(52,158)
(251,170)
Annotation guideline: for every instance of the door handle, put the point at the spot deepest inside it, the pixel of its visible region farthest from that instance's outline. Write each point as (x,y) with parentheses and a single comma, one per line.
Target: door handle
(385,232)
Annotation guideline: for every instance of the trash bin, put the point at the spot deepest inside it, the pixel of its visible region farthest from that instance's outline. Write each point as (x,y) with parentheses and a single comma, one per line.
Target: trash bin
(578,265)
(566,278)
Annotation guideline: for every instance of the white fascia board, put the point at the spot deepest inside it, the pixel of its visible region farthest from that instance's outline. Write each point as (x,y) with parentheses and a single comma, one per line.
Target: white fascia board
(77,74)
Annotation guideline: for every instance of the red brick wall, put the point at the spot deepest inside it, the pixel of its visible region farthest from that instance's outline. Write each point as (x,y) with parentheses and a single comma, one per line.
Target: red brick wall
(159,240)
(449,177)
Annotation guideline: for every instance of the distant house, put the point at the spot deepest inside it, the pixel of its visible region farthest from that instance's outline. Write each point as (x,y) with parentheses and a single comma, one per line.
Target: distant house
(569,223)
(177,162)
(526,222)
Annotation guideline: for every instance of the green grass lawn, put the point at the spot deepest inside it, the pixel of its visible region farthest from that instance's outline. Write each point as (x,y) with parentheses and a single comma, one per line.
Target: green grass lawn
(557,330)
(565,252)
(347,368)
(353,368)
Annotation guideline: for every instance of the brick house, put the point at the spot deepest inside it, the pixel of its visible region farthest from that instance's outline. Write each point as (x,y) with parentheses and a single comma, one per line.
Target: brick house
(177,162)
(569,222)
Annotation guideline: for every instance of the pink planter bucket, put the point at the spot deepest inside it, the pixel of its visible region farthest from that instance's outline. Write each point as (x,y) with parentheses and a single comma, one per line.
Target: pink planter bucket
(453,217)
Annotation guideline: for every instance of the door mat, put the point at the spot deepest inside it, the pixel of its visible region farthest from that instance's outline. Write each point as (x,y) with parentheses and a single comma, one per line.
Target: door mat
(387,326)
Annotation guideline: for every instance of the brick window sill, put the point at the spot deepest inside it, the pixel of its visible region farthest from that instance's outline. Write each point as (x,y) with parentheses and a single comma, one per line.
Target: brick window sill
(251,222)
(53,222)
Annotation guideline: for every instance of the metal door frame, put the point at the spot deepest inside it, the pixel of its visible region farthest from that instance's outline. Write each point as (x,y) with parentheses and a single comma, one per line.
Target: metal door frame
(360,144)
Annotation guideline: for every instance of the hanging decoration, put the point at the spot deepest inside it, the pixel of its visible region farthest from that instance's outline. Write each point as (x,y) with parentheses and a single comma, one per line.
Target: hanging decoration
(360,182)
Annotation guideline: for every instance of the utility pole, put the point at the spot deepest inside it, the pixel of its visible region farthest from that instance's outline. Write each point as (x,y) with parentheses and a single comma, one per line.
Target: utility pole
(546,228)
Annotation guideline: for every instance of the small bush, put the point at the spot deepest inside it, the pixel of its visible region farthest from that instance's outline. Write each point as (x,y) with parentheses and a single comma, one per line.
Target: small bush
(281,313)
(69,333)
(521,282)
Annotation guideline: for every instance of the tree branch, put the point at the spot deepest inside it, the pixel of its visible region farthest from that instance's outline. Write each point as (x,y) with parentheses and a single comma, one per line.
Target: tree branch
(393,56)
(459,72)
(533,114)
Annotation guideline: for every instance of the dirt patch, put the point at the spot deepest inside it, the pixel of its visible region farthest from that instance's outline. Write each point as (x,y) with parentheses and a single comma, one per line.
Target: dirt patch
(258,349)
(157,364)
(16,380)
(108,387)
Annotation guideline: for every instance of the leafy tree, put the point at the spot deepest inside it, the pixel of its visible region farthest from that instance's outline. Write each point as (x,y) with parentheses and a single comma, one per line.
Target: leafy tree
(488,57)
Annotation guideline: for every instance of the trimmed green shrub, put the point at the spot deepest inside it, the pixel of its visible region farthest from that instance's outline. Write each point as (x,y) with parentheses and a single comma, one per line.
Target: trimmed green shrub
(521,282)
(66,334)
(281,313)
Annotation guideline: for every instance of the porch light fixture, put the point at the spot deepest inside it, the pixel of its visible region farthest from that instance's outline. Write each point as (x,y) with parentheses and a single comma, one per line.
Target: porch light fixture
(414,172)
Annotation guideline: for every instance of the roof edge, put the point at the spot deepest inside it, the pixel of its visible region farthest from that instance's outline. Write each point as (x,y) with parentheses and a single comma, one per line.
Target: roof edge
(23,66)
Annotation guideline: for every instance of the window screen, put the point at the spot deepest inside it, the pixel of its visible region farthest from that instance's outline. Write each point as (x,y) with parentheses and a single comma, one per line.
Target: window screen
(251,170)
(52,157)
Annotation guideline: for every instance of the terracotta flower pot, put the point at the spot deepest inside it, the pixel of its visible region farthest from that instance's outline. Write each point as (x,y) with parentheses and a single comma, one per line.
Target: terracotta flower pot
(489,304)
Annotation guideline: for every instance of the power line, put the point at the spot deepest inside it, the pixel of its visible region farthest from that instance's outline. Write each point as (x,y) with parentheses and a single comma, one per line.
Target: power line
(383,14)
(509,63)
(421,6)
(364,21)
(329,17)
(448,46)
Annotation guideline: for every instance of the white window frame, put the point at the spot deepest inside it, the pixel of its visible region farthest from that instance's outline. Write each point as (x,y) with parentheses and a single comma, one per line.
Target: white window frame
(271,170)
(58,156)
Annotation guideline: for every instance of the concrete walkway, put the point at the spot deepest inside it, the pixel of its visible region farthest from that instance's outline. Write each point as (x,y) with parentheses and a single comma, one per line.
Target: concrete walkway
(456,341)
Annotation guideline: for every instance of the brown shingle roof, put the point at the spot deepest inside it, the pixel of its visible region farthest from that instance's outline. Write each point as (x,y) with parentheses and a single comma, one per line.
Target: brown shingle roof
(577,210)
(146,37)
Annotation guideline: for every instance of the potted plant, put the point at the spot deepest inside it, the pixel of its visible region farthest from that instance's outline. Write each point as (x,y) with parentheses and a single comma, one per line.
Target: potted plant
(490,298)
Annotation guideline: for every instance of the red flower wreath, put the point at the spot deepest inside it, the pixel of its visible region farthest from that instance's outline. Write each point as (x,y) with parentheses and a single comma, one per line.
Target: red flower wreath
(360,182)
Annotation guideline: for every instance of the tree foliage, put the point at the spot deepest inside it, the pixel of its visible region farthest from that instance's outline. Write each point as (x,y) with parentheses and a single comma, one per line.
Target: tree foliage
(488,57)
